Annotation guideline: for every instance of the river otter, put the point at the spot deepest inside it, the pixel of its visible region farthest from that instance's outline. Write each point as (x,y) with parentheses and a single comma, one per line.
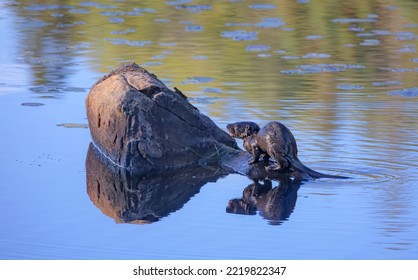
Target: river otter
(247,132)
(272,140)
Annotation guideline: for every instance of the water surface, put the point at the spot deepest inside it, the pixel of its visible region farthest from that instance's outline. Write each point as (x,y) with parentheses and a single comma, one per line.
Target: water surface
(342,77)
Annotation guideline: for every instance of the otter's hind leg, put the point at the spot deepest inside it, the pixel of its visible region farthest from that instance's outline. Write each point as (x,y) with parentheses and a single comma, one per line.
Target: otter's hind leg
(280,163)
(266,156)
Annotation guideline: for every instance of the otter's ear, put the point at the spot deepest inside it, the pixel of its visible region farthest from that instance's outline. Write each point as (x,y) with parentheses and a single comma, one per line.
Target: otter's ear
(251,129)
(247,130)
(256,129)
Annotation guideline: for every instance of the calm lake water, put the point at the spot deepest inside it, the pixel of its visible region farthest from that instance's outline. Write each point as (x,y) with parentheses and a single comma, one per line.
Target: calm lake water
(341,75)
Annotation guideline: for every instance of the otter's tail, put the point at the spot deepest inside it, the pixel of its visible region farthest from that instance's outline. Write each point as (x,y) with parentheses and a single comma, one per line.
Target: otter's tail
(296,164)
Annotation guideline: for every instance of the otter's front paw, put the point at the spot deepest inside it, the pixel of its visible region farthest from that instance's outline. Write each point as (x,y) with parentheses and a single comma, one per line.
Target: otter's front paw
(252,161)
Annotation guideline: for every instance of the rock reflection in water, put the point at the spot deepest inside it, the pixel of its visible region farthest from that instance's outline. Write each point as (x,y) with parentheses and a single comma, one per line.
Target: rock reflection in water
(143,198)
(146,198)
(274,204)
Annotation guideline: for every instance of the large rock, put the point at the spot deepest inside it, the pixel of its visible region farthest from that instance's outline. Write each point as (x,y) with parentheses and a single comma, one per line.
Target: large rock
(141,125)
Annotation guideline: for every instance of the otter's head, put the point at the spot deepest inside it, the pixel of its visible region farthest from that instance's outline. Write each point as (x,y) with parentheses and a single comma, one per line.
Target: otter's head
(242,130)
(239,206)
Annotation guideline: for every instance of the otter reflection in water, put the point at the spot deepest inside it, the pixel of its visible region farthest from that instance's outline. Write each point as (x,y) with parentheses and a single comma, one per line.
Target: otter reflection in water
(274,204)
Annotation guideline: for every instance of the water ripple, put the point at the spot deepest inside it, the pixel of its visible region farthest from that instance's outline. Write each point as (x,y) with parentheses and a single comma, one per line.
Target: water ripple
(121,41)
(406,92)
(370,42)
(123,32)
(349,87)
(193,28)
(270,23)
(316,55)
(240,35)
(314,37)
(257,48)
(32,104)
(409,48)
(353,20)
(43,7)
(321,68)
(197,80)
(194,8)
(97,5)
(262,6)
(387,83)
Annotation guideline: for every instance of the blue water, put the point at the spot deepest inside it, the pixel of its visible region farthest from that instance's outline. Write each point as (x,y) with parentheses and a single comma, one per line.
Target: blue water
(347,95)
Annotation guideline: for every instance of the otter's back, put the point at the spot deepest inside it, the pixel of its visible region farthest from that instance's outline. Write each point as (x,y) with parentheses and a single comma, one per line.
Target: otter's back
(278,137)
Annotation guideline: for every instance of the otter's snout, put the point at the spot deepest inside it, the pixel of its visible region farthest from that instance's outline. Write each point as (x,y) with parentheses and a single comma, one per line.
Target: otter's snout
(230,129)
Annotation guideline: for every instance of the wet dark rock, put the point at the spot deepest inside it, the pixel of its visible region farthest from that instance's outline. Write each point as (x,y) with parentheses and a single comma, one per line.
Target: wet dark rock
(141,125)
